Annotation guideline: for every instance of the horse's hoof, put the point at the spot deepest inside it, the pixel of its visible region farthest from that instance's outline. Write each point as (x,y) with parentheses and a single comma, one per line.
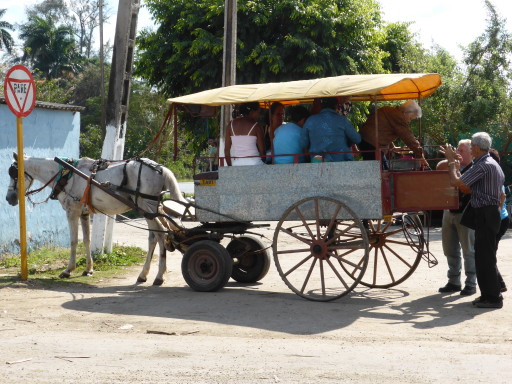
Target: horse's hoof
(141,280)
(65,275)
(158,282)
(85,273)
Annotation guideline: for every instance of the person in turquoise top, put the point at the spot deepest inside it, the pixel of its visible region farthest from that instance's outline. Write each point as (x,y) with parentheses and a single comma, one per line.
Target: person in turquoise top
(287,137)
(328,132)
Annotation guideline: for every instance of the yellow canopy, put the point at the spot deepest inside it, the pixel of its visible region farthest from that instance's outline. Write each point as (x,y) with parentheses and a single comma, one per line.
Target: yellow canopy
(359,87)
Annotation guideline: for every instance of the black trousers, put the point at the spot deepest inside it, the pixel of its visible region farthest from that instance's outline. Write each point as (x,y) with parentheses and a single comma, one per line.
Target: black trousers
(503,228)
(487,226)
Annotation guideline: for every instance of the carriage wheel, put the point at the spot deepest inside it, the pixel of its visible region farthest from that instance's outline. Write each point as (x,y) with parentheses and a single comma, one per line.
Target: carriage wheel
(313,249)
(206,266)
(395,251)
(251,259)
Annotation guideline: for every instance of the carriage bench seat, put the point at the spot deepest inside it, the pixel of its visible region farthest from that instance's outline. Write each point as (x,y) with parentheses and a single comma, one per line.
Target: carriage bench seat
(212,175)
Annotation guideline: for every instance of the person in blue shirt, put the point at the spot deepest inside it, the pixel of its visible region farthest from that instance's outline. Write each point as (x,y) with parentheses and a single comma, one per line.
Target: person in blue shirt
(287,137)
(328,133)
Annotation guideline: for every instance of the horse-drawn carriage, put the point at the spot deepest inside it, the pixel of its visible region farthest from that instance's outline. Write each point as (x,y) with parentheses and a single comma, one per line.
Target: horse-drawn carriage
(339,224)
(336,221)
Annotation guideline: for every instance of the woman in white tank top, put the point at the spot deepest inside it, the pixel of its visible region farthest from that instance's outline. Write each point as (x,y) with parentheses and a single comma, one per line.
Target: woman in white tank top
(244,143)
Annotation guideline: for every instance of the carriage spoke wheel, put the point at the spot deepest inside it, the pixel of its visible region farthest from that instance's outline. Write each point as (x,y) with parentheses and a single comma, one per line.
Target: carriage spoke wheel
(251,260)
(395,251)
(206,266)
(316,241)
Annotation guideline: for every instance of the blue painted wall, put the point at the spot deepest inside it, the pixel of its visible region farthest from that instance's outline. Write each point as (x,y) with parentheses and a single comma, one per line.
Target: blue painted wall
(46,133)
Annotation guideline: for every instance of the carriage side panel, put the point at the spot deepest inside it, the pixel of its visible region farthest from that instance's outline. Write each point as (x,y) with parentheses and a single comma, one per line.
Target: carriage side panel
(416,191)
(263,193)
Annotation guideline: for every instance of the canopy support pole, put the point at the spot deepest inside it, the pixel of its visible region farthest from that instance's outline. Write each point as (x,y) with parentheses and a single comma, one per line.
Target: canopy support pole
(229,64)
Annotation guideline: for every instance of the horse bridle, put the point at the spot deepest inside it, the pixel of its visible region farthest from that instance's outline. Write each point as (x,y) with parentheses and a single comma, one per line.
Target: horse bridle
(13,173)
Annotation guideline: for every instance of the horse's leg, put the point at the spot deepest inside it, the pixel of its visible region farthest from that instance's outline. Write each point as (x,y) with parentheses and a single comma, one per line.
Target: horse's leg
(162,261)
(151,249)
(73,237)
(86,234)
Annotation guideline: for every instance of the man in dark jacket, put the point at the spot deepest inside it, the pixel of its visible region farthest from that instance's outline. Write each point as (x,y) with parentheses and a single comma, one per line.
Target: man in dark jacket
(392,123)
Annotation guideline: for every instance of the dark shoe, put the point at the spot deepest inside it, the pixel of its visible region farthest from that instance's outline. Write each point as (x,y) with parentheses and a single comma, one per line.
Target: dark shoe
(476,301)
(468,291)
(450,288)
(489,304)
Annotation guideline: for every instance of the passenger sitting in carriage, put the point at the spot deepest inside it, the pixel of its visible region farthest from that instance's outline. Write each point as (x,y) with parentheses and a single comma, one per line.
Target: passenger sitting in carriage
(328,134)
(244,137)
(287,138)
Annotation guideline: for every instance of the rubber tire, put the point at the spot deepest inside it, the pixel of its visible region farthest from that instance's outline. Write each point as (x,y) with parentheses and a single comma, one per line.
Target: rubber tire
(253,267)
(206,266)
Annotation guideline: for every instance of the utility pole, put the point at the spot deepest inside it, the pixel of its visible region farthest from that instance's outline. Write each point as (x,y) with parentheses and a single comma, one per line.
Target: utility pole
(102,69)
(117,107)
(228,62)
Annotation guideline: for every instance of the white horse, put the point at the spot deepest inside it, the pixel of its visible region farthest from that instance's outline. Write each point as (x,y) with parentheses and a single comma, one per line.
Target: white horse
(140,181)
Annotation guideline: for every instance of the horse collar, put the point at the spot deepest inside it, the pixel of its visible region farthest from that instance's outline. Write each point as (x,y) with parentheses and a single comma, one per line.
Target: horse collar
(63,177)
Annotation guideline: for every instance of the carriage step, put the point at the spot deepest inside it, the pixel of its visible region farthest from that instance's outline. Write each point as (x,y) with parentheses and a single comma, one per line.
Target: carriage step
(175,209)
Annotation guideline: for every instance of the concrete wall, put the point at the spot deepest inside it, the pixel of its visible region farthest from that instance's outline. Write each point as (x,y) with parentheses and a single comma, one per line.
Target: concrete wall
(47,132)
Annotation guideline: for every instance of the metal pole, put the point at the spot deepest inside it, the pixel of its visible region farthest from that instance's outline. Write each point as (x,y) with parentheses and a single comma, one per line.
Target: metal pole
(21,199)
(229,63)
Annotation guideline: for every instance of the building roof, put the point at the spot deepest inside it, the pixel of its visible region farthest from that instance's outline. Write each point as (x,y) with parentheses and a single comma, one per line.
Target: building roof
(54,106)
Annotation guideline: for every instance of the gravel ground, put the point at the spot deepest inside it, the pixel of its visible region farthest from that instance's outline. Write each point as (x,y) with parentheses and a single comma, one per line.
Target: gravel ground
(121,332)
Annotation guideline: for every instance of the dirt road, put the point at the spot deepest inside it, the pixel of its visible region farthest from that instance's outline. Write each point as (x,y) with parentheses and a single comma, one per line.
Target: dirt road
(120,332)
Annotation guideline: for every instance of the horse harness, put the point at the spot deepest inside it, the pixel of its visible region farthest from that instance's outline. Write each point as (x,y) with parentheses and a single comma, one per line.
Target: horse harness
(102,164)
(64,175)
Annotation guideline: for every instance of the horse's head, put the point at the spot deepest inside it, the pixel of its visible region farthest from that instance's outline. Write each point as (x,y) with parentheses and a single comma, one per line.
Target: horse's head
(12,191)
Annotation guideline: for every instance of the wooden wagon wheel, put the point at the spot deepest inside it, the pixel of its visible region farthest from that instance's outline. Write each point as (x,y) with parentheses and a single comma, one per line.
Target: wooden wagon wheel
(206,266)
(313,249)
(251,260)
(395,250)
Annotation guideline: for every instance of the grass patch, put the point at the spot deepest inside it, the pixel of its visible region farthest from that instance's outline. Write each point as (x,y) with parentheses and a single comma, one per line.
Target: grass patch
(46,264)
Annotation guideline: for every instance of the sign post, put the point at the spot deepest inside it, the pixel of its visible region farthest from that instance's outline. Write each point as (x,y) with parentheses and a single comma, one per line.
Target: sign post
(20,95)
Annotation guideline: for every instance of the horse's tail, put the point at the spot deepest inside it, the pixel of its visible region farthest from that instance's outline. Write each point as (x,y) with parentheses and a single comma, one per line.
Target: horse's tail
(171,185)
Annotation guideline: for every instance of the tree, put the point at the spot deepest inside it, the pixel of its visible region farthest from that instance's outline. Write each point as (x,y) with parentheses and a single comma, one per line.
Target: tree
(277,41)
(485,90)
(86,20)
(57,10)
(405,53)
(82,16)
(50,49)
(6,40)
(475,97)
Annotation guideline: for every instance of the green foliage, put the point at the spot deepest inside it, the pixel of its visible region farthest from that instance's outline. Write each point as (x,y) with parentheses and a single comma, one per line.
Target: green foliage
(91,141)
(53,90)
(277,41)
(405,53)
(49,48)
(146,115)
(6,40)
